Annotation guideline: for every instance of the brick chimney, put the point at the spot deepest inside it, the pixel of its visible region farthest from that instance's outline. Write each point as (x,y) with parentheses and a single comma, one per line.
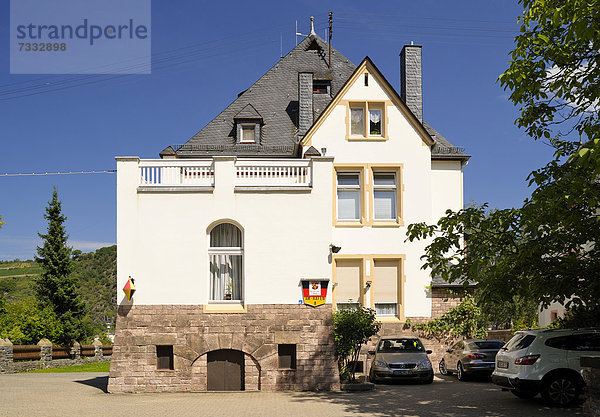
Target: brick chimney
(305,102)
(411,89)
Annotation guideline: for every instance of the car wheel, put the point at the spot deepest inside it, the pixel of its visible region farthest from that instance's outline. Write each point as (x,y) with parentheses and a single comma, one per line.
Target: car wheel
(561,391)
(429,380)
(524,394)
(442,367)
(460,372)
(372,377)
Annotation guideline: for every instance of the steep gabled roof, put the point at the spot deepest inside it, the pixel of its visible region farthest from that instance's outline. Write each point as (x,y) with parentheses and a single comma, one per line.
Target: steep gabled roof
(441,148)
(275,98)
(368,65)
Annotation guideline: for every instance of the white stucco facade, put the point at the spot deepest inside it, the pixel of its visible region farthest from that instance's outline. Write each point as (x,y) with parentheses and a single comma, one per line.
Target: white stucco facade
(163,231)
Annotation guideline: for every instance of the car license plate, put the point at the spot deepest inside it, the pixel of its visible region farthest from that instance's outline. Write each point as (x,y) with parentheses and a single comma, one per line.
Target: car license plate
(400,372)
(502,364)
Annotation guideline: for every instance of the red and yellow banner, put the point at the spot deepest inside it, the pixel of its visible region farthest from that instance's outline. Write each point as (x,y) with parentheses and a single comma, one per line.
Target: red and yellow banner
(314,293)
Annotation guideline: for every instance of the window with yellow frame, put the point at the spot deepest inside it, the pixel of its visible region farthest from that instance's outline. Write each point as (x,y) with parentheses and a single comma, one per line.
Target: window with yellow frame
(367,120)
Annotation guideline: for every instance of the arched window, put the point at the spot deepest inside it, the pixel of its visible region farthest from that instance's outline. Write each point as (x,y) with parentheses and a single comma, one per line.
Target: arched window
(226,251)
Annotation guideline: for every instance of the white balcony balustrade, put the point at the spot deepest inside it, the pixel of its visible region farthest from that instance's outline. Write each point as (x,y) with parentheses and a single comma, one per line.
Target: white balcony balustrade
(248,174)
(273,173)
(174,173)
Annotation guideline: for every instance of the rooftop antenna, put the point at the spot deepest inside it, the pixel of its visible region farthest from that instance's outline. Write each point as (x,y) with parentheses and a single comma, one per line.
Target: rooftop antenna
(298,33)
(280,45)
(330,35)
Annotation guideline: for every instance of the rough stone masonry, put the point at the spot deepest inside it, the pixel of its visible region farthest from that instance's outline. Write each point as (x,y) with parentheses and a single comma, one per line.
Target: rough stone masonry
(193,333)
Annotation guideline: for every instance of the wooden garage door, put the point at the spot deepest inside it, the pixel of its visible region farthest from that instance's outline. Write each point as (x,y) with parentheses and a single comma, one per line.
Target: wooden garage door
(225,370)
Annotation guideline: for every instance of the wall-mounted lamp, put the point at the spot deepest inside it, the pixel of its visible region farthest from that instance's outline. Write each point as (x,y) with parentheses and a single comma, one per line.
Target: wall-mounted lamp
(334,249)
(368,284)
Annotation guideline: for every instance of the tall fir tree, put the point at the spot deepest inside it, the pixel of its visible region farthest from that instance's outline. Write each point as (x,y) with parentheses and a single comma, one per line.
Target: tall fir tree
(56,287)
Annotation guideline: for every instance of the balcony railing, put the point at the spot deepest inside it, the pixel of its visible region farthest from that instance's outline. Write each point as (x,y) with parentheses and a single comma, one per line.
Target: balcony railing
(273,173)
(249,173)
(170,173)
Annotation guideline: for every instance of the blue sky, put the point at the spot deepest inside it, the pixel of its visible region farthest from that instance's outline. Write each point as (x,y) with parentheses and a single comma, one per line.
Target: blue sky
(231,44)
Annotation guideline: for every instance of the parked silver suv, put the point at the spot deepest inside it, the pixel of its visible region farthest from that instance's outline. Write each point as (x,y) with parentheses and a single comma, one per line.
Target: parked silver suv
(546,362)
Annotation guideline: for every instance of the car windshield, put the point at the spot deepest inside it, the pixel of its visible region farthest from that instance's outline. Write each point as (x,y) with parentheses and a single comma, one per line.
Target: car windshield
(400,345)
(519,341)
(488,344)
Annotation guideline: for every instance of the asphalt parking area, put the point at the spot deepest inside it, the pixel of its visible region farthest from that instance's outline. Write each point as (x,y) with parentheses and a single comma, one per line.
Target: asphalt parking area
(84,394)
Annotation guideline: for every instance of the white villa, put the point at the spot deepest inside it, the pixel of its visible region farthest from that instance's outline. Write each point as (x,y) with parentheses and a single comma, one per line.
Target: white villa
(292,202)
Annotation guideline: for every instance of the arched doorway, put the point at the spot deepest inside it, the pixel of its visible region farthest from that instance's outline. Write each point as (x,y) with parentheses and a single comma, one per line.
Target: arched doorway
(225,370)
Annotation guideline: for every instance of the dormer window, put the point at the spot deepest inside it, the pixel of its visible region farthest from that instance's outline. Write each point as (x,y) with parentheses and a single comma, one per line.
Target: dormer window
(247,125)
(248,133)
(321,86)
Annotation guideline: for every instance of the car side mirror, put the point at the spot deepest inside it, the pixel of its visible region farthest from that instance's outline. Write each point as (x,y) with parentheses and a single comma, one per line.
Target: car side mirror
(371,352)
(450,350)
(429,352)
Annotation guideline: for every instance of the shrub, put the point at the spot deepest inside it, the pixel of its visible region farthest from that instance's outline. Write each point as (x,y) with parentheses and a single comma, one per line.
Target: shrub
(352,328)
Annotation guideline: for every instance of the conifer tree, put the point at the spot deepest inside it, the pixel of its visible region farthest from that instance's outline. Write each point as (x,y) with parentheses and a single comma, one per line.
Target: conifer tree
(56,287)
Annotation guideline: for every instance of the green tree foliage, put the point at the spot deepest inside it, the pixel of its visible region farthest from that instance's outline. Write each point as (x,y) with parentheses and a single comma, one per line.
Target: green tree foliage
(353,327)
(1,222)
(56,287)
(464,320)
(25,323)
(554,73)
(542,252)
(546,250)
(97,275)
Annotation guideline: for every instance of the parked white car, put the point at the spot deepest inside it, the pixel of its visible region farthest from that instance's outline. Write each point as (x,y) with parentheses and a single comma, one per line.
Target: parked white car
(546,362)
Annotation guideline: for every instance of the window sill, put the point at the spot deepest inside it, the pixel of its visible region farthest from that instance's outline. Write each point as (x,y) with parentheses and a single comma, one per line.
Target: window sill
(349,224)
(367,138)
(225,307)
(388,319)
(391,223)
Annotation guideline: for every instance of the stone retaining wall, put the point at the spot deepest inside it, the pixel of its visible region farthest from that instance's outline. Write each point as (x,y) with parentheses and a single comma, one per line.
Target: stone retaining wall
(8,364)
(193,333)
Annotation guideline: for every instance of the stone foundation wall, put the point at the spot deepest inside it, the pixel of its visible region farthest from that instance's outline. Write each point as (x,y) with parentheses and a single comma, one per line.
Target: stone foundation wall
(193,333)
(443,300)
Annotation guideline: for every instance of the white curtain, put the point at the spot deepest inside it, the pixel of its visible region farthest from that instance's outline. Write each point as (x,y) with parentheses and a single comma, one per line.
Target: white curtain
(357,121)
(226,235)
(375,116)
(226,277)
(226,267)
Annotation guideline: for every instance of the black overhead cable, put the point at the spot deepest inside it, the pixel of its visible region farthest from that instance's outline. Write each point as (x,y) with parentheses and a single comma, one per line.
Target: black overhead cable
(201,54)
(76,81)
(408,17)
(29,174)
(211,42)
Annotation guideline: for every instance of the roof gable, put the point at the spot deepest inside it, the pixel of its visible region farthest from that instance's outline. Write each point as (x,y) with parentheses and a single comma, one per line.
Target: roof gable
(247,113)
(369,66)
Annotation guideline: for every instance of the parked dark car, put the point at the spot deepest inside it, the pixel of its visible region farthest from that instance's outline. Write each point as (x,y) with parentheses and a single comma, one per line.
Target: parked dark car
(470,357)
(401,358)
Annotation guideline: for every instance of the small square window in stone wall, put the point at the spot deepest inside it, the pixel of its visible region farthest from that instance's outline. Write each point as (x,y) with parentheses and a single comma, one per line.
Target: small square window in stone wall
(287,356)
(164,357)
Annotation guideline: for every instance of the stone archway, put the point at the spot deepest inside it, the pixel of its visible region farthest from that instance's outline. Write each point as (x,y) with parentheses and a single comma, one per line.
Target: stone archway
(225,370)
(252,371)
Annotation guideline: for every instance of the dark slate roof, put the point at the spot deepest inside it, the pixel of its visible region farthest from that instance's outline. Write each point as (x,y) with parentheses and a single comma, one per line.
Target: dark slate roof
(274,97)
(438,282)
(443,149)
(248,113)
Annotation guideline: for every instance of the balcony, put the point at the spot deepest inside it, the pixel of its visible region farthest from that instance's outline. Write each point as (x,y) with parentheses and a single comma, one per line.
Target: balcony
(247,175)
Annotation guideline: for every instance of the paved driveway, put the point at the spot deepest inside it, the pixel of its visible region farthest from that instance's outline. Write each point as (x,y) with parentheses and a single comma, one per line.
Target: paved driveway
(83,394)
